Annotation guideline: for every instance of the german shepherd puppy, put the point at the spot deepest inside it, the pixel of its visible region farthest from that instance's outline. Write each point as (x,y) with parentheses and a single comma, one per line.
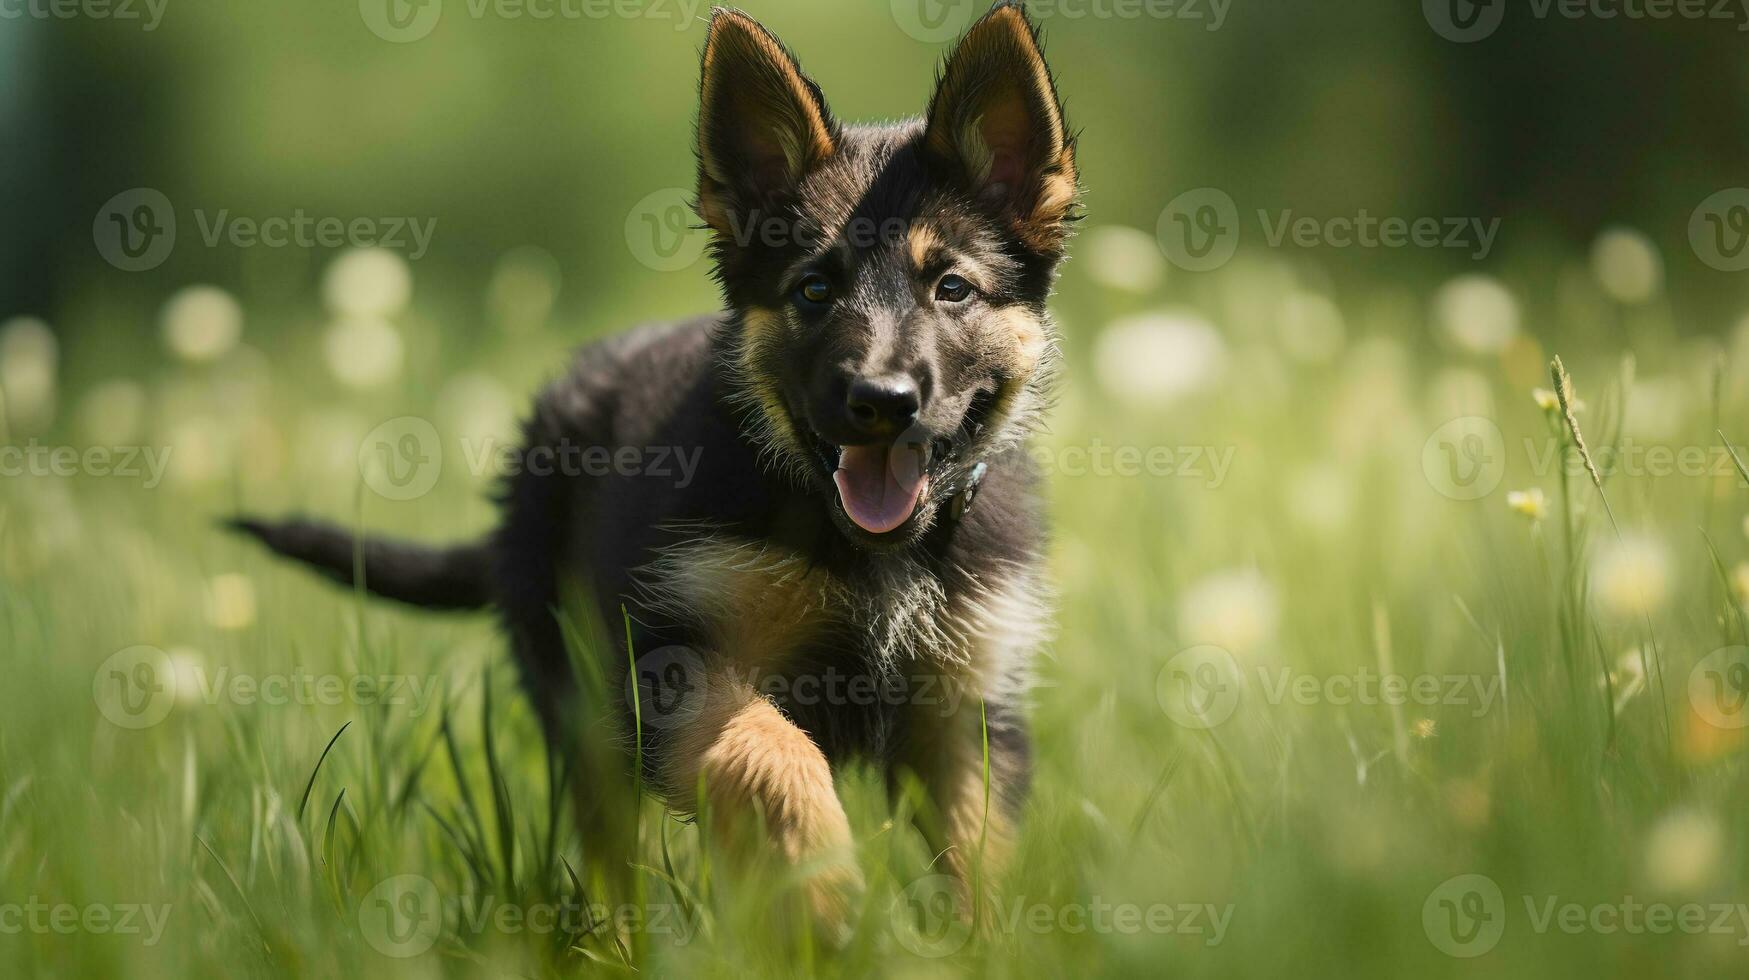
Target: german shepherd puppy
(854,572)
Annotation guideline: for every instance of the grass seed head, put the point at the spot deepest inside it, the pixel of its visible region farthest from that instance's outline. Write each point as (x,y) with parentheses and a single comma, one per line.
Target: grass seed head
(1564,394)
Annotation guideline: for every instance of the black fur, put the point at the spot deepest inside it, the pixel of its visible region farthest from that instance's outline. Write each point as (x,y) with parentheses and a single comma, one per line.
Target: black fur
(761,482)
(435,578)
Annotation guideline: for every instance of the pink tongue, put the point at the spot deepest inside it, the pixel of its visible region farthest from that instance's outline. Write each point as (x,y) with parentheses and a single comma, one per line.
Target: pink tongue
(879,485)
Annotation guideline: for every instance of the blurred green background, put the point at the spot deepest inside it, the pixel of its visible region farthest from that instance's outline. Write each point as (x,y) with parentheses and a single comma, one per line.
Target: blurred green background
(513,130)
(1334,537)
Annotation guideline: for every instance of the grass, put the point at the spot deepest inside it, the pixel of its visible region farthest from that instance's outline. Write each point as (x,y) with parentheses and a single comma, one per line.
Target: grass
(1312,835)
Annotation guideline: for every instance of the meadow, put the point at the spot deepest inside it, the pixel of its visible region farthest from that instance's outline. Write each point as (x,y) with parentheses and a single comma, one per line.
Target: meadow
(1358,670)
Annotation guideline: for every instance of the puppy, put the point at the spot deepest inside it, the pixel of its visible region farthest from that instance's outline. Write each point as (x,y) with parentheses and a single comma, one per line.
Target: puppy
(853,572)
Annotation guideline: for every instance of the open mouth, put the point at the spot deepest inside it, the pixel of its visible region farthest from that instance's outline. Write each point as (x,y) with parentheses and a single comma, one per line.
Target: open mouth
(881,485)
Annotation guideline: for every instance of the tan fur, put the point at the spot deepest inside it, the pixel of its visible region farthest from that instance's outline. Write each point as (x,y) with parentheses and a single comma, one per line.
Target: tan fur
(971,834)
(715,212)
(923,242)
(984,279)
(1000,623)
(731,582)
(987,32)
(1058,194)
(763,331)
(1025,344)
(1022,337)
(813,143)
(750,758)
(763,327)
(973,842)
(926,248)
(758,601)
(1005,103)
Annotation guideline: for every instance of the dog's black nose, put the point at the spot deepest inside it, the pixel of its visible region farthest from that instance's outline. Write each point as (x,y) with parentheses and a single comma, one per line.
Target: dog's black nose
(884,405)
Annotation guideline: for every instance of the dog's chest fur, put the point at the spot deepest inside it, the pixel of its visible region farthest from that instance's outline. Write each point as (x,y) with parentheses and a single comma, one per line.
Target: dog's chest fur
(760,603)
(850,656)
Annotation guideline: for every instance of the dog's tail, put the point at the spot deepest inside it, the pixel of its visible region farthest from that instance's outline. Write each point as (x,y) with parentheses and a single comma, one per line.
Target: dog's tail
(433,578)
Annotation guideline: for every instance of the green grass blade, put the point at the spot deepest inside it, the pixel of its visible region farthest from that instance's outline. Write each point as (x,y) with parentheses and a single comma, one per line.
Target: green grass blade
(1742,471)
(311,784)
(504,815)
(260,930)
(475,824)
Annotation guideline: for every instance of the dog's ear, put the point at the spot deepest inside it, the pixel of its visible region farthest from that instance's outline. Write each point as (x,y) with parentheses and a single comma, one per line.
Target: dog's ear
(762,124)
(996,123)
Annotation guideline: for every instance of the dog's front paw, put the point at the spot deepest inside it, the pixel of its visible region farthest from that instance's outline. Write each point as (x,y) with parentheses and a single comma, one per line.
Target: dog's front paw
(834,892)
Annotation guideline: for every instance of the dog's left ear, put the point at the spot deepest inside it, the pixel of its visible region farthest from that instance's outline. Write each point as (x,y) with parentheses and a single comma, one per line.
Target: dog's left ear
(996,123)
(762,123)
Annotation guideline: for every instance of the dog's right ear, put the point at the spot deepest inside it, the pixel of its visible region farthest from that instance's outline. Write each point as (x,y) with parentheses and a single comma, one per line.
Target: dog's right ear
(997,124)
(762,124)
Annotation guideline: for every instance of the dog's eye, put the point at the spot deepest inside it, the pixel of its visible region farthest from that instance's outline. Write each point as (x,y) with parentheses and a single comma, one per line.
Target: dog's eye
(814,290)
(953,289)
